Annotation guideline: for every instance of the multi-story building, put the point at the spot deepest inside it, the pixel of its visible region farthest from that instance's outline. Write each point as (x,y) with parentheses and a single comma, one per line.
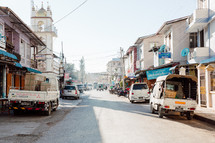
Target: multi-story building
(42,25)
(131,61)
(175,39)
(144,46)
(18,47)
(114,70)
(201,27)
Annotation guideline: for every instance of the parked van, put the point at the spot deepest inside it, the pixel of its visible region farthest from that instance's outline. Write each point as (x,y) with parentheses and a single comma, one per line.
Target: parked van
(139,92)
(176,93)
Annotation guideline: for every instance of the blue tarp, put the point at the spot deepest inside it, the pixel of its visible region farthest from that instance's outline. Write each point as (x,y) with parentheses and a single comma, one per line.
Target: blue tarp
(208,60)
(18,65)
(8,54)
(33,70)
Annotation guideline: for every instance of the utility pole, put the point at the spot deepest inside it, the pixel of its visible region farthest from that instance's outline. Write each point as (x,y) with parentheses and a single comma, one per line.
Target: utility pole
(122,67)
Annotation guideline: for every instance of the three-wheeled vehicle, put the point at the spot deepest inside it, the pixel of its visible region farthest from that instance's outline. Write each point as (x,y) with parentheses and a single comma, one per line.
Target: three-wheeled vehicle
(176,93)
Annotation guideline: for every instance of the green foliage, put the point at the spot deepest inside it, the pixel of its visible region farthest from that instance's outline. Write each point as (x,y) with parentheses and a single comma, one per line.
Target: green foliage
(70,68)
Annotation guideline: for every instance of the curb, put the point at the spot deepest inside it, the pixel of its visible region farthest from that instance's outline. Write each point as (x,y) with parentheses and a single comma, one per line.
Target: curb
(204,119)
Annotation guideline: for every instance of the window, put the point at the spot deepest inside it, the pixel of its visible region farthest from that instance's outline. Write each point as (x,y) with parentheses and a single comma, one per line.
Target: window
(69,87)
(193,40)
(171,87)
(213,81)
(140,86)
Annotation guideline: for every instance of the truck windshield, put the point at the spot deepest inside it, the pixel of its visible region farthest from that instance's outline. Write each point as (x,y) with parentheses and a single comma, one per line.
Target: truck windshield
(69,87)
(139,86)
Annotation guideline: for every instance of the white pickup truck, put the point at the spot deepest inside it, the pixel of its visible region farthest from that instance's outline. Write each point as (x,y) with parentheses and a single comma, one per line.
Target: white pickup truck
(177,93)
(44,101)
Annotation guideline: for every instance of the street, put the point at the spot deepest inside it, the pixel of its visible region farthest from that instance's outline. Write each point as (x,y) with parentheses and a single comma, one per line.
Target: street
(101,117)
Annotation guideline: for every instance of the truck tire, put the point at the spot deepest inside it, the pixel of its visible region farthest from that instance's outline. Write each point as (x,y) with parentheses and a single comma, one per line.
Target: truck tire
(16,112)
(56,106)
(160,112)
(189,116)
(48,113)
(152,109)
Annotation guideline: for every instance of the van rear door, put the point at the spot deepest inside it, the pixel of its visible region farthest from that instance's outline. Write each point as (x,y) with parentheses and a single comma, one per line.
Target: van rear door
(140,90)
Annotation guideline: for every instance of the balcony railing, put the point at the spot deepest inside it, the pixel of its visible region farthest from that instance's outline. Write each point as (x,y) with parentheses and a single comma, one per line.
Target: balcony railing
(198,54)
(199,18)
(44,29)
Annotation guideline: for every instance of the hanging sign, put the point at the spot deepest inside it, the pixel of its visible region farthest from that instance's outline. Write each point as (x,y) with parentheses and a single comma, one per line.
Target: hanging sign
(164,55)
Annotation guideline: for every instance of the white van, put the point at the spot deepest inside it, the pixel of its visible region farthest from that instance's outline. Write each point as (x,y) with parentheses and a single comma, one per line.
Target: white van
(177,93)
(71,91)
(139,92)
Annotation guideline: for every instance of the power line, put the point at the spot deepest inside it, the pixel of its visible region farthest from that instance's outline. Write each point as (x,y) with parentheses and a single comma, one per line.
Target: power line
(71,12)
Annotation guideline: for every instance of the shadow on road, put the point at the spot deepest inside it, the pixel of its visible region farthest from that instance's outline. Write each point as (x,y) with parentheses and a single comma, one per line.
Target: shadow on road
(144,109)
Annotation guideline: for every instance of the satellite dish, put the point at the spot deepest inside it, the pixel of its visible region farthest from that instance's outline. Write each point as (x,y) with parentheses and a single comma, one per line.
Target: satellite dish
(185,52)
(162,48)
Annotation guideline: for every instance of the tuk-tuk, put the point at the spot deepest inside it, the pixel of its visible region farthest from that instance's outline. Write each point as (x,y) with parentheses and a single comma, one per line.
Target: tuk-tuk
(176,93)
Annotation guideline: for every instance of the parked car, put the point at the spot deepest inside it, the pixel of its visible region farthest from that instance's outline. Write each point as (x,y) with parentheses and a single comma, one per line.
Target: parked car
(177,93)
(71,91)
(139,92)
(80,88)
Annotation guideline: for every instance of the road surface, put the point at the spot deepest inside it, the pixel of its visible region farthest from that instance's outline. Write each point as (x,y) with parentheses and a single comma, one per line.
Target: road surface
(99,117)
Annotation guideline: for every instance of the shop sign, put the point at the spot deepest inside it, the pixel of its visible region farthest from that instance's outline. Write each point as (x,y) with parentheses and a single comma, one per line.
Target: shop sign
(2,37)
(164,55)
(202,90)
(40,57)
(153,74)
(66,76)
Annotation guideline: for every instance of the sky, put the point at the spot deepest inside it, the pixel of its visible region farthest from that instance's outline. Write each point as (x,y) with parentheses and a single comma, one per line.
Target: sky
(99,28)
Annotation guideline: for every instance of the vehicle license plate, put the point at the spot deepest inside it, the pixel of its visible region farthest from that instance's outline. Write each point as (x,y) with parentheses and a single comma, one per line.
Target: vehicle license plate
(178,109)
(69,90)
(25,103)
(140,97)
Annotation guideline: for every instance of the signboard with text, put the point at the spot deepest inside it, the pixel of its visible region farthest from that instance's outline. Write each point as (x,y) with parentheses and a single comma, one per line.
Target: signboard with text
(164,55)
(2,37)
(153,74)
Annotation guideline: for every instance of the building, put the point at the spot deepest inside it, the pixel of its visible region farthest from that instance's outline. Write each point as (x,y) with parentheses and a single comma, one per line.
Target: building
(131,61)
(114,70)
(201,27)
(175,40)
(18,47)
(42,25)
(144,45)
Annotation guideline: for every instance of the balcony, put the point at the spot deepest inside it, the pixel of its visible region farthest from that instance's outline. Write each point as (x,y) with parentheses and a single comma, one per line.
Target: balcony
(198,54)
(198,20)
(51,29)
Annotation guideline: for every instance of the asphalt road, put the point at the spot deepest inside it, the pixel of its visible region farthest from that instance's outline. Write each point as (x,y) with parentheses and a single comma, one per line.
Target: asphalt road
(105,118)
(99,117)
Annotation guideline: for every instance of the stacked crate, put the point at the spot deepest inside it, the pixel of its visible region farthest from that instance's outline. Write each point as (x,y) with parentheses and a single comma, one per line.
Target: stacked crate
(33,81)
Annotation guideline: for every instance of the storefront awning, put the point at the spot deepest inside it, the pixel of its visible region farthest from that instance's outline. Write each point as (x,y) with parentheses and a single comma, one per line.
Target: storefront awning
(18,65)
(208,60)
(33,70)
(6,54)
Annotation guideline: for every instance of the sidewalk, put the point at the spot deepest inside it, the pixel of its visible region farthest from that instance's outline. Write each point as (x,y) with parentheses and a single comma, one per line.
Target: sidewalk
(205,115)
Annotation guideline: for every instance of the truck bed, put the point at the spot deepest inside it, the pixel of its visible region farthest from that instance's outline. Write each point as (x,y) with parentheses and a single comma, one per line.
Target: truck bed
(25,95)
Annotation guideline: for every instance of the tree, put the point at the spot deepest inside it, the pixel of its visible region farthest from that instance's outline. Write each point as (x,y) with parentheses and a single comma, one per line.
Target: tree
(82,69)
(70,68)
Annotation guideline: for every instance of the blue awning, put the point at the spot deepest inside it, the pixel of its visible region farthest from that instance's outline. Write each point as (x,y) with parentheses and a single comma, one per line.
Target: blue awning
(33,70)
(208,60)
(18,65)
(8,54)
